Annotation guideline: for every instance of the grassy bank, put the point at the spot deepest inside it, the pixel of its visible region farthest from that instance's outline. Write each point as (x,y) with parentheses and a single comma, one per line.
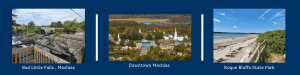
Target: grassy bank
(275,45)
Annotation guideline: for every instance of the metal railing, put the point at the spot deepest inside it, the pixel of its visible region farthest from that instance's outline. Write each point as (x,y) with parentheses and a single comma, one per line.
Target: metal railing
(78,50)
(258,52)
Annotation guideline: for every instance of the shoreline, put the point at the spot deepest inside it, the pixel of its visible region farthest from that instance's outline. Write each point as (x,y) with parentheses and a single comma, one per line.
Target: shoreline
(219,42)
(233,50)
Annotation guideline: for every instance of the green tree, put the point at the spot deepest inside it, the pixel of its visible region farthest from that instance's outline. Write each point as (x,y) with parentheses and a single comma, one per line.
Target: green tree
(151,47)
(18,30)
(31,25)
(158,35)
(58,24)
(130,43)
(82,25)
(179,48)
(156,50)
(39,29)
(119,47)
(111,48)
(66,22)
(149,37)
(70,26)
(53,24)
(122,42)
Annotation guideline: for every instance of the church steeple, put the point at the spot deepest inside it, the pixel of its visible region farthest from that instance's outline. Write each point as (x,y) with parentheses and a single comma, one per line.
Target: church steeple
(175,35)
(140,30)
(119,37)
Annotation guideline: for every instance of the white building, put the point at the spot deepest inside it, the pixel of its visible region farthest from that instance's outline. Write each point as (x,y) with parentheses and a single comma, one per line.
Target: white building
(171,36)
(166,37)
(178,37)
(186,37)
(175,35)
(119,37)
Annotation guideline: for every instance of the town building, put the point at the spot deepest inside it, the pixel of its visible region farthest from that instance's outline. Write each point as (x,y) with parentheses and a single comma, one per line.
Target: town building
(144,51)
(178,37)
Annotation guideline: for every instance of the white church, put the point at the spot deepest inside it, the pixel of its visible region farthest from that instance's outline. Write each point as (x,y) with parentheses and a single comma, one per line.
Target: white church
(175,37)
(119,37)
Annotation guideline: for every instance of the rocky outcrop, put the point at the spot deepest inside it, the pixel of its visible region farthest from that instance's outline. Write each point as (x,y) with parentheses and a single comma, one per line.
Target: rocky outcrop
(59,43)
(45,41)
(78,36)
(58,48)
(31,37)
(73,45)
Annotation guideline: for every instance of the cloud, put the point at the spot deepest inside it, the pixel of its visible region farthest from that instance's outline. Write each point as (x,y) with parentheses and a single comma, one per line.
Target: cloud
(278,15)
(222,14)
(231,10)
(262,15)
(275,22)
(216,20)
(241,23)
(228,18)
(280,19)
(46,16)
(235,27)
(234,18)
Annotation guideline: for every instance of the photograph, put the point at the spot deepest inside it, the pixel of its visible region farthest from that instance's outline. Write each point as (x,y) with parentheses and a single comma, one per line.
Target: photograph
(48,36)
(249,35)
(149,37)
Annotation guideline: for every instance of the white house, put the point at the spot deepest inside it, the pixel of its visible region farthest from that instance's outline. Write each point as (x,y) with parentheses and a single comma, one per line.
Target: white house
(171,36)
(180,37)
(179,53)
(186,37)
(166,37)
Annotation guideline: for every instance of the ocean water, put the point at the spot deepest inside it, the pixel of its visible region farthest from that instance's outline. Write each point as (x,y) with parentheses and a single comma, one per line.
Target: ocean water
(222,35)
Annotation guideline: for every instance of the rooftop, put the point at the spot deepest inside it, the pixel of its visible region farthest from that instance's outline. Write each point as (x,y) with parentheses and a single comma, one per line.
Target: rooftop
(179,36)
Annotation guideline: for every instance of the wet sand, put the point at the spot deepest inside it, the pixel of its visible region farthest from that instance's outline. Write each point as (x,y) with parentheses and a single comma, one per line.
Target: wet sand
(228,50)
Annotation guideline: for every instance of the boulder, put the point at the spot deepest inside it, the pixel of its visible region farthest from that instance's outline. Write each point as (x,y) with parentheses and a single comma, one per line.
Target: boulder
(73,45)
(45,41)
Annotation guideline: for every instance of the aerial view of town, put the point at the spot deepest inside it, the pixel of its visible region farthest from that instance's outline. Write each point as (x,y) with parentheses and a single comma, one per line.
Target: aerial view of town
(149,37)
(48,36)
(249,36)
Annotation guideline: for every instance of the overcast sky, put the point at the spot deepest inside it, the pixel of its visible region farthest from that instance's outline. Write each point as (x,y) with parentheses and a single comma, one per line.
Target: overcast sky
(248,20)
(46,16)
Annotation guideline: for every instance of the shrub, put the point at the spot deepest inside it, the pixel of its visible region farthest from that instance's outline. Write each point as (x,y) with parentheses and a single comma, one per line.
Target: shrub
(275,42)
(55,34)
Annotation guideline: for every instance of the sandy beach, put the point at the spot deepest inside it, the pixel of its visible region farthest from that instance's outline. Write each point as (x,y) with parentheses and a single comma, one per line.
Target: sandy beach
(228,50)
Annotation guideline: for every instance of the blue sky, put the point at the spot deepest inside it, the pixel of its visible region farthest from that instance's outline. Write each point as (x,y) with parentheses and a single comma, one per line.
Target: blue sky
(248,20)
(46,16)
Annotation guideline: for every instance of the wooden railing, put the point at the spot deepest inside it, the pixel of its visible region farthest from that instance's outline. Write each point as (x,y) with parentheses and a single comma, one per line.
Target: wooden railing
(81,52)
(21,55)
(42,56)
(258,52)
(39,56)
